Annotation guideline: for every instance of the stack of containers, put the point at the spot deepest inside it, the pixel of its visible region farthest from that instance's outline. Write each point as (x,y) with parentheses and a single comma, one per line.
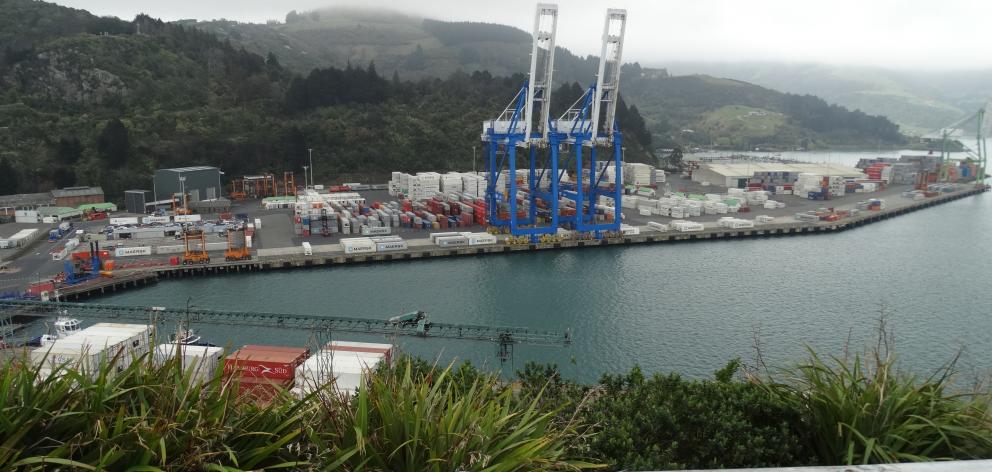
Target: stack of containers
(389,243)
(638,174)
(346,363)
(261,371)
(201,361)
(735,223)
(809,184)
(357,245)
(451,182)
(686,226)
(91,348)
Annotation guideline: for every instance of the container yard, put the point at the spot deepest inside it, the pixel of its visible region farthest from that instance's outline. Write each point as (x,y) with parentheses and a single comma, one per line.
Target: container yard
(381,223)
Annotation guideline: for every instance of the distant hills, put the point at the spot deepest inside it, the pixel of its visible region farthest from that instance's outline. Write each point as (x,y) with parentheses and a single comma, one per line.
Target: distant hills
(418,48)
(919,101)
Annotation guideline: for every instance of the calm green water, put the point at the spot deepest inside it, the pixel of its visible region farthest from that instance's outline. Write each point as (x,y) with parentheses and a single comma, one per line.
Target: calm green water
(684,307)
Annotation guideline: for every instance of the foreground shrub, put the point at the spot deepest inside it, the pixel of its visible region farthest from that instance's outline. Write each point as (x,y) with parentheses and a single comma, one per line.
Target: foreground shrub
(144,417)
(864,411)
(140,416)
(667,422)
(451,420)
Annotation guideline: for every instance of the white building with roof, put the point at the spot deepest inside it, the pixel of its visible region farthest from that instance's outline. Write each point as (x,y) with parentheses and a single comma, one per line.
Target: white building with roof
(737,175)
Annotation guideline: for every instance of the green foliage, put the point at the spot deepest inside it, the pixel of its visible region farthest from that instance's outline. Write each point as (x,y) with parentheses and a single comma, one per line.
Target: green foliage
(141,416)
(461,32)
(669,422)
(402,422)
(686,102)
(8,177)
(113,144)
(660,422)
(155,418)
(863,411)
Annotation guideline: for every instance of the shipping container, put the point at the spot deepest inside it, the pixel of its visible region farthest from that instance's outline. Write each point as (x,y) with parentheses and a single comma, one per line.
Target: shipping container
(201,361)
(451,241)
(259,363)
(133,251)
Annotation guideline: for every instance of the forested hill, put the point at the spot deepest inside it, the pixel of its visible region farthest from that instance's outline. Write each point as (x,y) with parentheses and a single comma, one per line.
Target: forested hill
(727,113)
(100,101)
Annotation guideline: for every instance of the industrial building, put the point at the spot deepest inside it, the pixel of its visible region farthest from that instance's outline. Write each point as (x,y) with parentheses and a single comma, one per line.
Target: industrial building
(200,182)
(737,175)
(76,196)
(135,200)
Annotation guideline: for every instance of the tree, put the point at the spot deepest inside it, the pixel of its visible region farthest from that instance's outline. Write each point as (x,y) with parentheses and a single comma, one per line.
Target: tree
(113,144)
(292,17)
(68,151)
(272,61)
(675,158)
(8,177)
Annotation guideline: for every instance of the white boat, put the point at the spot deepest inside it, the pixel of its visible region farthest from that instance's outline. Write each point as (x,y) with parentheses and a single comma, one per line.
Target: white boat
(66,325)
(184,334)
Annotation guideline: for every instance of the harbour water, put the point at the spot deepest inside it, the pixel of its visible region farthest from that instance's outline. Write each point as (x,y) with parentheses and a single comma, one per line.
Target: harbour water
(686,307)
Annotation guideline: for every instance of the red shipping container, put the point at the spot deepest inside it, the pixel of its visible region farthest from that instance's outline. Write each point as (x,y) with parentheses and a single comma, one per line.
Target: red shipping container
(35,289)
(265,364)
(261,390)
(302,352)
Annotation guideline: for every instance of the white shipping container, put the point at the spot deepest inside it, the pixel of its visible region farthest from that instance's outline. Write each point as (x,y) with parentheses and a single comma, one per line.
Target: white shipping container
(357,246)
(480,239)
(628,230)
(258,223)
(133,251)
(385,246)
(658,226)
(130,220)
(154,219)
(186,218)
(451,241)
(203,361)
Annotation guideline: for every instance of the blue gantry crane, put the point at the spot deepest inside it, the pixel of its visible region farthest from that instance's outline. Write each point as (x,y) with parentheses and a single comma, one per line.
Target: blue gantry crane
(523,125)
(586,128)
(589,126)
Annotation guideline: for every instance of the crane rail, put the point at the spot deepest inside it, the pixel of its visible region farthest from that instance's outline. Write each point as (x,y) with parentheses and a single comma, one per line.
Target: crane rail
(500,334)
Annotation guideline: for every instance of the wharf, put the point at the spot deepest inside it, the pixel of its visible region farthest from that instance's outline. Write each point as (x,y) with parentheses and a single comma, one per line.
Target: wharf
(331,255)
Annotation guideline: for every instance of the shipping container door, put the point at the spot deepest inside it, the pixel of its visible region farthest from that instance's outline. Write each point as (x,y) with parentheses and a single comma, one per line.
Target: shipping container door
(211,193)
(194,195)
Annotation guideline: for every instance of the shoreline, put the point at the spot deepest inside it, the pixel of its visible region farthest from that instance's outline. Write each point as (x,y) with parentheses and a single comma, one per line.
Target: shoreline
(292,259)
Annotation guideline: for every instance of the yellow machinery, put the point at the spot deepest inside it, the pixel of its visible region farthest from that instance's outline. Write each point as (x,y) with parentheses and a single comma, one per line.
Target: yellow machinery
(181,209)
(196,247)
(237,246)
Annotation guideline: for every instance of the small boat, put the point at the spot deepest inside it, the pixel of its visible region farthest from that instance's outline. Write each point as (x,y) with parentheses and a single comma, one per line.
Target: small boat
(64,327)
(185,335)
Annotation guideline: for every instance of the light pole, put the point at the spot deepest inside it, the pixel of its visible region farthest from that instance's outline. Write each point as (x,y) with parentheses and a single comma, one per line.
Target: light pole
(182,188)
(305,186)
(473,160)
(220,190)
(310,150)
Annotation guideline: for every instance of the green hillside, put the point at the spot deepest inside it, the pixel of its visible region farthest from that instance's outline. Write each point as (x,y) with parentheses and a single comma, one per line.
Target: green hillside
(919,101)
(421,48)
(703,110)
(82,107)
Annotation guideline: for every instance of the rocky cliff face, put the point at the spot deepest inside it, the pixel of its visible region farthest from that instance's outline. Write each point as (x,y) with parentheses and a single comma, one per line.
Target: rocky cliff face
(67,75)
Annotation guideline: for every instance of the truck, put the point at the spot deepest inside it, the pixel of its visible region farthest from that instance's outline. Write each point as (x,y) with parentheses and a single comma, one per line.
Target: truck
(307,249)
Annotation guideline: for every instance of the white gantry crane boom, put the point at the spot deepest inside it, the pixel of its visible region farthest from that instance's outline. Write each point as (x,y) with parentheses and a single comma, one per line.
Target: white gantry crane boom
(608,78)
(542,65)
(519,116)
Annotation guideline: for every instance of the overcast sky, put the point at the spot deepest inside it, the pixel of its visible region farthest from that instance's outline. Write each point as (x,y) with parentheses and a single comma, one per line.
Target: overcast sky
(919,34)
